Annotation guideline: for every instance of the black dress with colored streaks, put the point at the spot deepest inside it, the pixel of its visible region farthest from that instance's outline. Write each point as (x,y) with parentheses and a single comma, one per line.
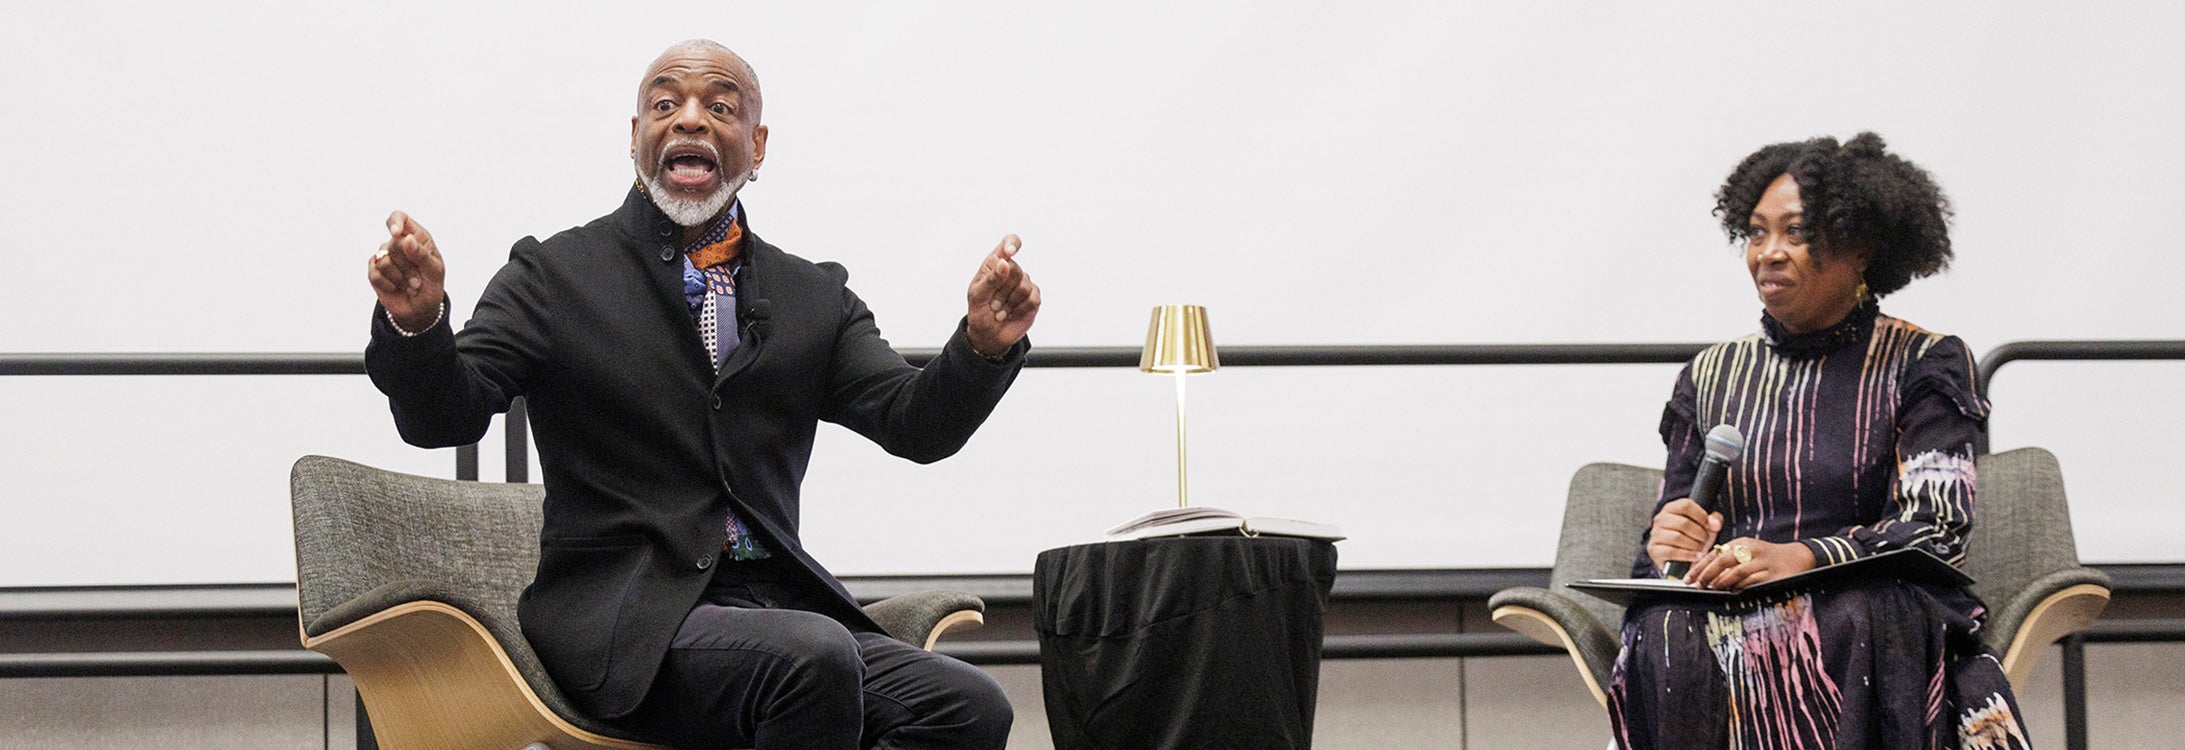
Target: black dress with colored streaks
(1859,440)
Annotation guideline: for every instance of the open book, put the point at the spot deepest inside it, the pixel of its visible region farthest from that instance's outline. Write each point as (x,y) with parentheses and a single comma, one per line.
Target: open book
(1908,564)
(1204,520)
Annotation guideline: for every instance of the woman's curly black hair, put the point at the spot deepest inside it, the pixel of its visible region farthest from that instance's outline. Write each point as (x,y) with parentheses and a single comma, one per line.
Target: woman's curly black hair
(1857,196)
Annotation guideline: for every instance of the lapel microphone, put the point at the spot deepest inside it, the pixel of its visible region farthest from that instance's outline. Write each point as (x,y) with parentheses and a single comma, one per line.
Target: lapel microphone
(759,316)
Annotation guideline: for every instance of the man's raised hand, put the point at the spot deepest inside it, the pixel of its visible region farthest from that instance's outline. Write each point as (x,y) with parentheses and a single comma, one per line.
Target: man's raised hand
(1003,300)
(407,274)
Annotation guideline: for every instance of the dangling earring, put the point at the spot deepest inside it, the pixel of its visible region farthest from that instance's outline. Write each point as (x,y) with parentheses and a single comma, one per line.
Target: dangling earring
(1860,295)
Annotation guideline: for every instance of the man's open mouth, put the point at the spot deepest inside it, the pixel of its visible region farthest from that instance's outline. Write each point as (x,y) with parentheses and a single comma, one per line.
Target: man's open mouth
(688,167)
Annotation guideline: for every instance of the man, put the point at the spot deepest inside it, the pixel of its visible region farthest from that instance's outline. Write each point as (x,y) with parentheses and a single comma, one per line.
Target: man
(675,366)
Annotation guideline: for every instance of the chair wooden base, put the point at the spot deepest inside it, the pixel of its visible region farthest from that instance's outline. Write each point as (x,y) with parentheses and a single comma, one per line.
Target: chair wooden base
(1540,627)
(432,677)
(2060,614)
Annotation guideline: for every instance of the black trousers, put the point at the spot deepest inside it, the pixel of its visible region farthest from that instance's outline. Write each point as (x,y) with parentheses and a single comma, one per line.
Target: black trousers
(750,669)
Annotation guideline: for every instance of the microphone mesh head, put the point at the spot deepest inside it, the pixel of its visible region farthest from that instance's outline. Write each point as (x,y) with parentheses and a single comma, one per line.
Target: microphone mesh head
(1725,443)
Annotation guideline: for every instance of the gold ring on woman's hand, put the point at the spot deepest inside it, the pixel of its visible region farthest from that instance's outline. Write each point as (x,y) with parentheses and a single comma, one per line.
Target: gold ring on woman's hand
(1743,553)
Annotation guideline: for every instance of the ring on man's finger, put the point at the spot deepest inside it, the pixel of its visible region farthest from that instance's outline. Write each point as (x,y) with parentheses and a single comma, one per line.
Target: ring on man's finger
(379,254)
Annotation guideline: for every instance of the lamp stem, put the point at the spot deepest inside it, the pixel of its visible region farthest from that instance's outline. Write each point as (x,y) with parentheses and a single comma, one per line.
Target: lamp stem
(1183,492)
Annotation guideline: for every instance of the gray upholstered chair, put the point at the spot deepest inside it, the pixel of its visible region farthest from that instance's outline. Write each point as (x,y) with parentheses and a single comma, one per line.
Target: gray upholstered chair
(410,583)
(1608,507)
(2024,561)
(2022,556)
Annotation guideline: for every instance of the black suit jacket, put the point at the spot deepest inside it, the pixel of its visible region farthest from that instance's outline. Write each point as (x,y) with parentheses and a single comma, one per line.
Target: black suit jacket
(644,448)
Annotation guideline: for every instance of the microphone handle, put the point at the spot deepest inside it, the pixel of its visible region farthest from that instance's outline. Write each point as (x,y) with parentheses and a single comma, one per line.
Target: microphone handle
(1704,487)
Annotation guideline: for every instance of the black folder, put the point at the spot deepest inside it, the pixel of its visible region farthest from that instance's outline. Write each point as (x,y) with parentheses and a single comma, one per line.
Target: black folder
(1908,564)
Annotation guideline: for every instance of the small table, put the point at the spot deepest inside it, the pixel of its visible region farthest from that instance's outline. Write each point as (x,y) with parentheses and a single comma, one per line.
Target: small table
(1206,641)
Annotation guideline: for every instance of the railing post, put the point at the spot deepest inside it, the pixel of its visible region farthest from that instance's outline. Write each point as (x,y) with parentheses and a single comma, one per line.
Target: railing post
(365,739)
(517,448)
(2075,691)
(466,462)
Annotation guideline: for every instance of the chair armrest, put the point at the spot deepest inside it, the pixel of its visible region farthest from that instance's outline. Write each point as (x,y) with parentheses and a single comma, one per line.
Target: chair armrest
(2006,617)
(2053,606)
(920,619)
(1558,620)
(432,676)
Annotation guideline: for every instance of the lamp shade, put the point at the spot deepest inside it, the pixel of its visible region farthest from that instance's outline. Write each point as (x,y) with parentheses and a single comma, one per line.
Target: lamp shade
(1178,341)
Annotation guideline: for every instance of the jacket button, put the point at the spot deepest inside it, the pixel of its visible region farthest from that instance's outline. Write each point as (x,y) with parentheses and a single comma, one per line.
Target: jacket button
(716,402)
(667,253)
(705,561)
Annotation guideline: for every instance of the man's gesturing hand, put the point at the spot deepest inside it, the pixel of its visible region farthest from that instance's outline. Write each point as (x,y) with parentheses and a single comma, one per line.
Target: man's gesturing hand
(407,274)
(1003,300)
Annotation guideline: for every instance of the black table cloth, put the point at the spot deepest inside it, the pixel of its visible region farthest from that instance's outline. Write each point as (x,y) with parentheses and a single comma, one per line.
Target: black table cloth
(1183,642)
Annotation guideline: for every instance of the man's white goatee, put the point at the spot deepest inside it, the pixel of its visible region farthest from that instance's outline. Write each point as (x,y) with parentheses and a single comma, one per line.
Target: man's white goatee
(691,212)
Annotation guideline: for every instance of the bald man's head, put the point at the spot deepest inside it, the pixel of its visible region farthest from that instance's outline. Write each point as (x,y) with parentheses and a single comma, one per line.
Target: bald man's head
(696,137)
(706,48)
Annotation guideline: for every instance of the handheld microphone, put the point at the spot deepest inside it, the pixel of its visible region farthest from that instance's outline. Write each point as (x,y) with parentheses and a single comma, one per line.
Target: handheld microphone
(1724,445)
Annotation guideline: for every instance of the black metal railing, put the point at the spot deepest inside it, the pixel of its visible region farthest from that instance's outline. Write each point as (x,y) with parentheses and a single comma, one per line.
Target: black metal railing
(515,426)
(2072,351)
(2078,351)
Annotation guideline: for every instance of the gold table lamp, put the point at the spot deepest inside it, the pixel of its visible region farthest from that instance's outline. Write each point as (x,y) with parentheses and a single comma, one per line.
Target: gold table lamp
(1179,342)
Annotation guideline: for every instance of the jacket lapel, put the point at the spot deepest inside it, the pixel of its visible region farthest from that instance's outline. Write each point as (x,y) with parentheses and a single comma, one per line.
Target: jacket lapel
(655,240)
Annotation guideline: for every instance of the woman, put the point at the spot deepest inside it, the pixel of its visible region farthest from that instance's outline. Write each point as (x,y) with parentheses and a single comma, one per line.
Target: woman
(1859,440)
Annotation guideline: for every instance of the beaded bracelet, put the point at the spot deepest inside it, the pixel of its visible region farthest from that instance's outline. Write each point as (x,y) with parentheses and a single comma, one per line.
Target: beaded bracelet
(428,326)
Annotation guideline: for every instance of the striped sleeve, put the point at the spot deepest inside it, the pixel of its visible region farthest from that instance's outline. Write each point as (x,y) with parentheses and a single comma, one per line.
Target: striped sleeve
(1931,502)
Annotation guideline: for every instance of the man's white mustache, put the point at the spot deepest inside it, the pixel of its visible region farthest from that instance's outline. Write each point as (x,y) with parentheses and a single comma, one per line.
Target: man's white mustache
(711,152)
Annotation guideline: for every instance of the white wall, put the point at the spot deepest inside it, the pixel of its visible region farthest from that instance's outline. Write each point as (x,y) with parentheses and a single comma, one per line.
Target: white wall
(212,178)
